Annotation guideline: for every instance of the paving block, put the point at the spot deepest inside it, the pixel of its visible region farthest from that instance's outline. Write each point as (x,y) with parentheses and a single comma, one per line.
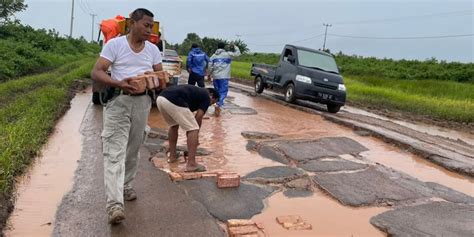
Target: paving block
(293,222)
(228,181)
(190,175)
(301,226)
(175,176)
(248,230)
(209,175)
(289,219)
(219,173)
(239,222)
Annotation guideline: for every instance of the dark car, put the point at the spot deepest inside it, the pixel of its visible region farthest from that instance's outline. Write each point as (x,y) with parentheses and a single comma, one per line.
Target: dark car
(303,73)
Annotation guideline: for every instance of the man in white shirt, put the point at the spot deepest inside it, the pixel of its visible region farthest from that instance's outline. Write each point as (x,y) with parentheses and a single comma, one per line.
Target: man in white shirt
(126,115)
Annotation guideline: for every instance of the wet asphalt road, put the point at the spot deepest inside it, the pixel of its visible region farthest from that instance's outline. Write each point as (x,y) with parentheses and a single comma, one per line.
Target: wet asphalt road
(195,208)
(162,209)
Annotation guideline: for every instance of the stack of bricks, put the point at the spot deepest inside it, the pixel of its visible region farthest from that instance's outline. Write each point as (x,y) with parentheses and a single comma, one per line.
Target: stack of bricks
(228,180)
(180,176)
(223,179)
(293,222)
(242,227)
(150,81)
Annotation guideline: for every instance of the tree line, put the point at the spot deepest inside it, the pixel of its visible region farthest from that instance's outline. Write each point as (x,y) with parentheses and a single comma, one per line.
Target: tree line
(207,44)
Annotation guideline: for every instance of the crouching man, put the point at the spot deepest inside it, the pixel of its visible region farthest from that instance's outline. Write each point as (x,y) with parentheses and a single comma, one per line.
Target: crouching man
(176,105)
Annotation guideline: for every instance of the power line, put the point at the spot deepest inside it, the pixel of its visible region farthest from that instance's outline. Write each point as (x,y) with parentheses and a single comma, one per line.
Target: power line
(292,42)
(403,37)
(440,14)
(369,37)
(89,7)
(81,5)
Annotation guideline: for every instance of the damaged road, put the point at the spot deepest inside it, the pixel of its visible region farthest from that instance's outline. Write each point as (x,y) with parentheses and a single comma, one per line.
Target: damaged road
(292,161)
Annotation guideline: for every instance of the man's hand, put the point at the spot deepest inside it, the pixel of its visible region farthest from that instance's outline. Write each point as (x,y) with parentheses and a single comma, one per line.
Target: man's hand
(125,86)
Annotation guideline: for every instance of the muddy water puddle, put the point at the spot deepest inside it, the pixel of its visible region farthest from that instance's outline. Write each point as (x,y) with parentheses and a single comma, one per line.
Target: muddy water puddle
(326,216)
(40,191)
(222,136)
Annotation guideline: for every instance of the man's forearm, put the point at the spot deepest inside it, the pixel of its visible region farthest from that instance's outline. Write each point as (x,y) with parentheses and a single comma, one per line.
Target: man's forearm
(103,77)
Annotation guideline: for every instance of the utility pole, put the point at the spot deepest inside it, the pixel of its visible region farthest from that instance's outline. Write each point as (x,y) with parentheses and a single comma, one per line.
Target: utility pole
(93,16)
(72,19)
(325,33)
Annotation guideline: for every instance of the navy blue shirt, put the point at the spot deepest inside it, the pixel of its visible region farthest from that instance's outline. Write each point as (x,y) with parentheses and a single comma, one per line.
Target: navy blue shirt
(188,96)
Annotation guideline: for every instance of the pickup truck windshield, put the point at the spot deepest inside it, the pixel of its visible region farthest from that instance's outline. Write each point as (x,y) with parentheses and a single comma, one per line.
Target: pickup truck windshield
(317,61)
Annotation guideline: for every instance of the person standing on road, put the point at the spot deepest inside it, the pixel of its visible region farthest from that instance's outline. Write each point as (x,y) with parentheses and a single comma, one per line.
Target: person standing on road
(176,105)
(219,71)
(197,64)
(126,115)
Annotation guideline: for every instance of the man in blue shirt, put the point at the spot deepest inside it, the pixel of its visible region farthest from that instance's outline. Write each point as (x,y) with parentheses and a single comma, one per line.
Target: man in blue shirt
(197,65)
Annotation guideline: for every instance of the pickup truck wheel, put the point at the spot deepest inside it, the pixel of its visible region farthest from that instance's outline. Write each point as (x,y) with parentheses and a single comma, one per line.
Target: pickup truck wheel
(290,93)
(333,108)
(259,86)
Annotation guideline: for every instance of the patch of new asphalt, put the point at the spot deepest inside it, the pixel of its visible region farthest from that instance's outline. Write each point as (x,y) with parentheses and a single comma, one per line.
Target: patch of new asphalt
(284,151)
(275,174)
(378,185)
(162,208)
(433,219)
(335,164)
(228,203)
(238,110)
(454,155)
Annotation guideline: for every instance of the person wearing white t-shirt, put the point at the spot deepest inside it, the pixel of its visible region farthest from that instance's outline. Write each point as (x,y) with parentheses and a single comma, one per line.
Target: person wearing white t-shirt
(126,115)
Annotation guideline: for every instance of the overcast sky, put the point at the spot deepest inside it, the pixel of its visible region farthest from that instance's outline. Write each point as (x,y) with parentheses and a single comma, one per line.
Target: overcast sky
(267,25)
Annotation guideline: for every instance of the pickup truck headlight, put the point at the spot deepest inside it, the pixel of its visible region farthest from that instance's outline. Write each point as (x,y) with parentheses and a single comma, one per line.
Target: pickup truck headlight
(341,87)
(303,79)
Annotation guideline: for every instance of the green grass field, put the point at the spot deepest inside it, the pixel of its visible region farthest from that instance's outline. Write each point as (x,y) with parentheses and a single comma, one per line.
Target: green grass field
(445,100)
(29,108)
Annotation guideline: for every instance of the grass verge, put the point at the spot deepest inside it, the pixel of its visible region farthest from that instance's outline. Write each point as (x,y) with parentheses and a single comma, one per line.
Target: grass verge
(29,108)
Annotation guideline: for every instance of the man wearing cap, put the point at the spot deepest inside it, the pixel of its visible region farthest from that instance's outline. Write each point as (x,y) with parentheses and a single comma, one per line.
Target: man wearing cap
(126,115)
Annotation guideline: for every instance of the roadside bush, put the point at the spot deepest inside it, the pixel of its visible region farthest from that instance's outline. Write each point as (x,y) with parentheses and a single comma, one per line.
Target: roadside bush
(24,50)
(431,69)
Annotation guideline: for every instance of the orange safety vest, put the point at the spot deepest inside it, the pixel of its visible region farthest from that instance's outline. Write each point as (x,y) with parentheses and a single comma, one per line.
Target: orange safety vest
(114,27)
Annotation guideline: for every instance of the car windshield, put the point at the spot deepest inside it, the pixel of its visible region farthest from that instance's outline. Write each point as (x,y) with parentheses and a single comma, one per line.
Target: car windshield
(171,53)
(316,60)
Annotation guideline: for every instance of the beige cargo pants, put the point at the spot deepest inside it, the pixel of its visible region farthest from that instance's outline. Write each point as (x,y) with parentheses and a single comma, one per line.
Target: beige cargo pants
(125,118)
